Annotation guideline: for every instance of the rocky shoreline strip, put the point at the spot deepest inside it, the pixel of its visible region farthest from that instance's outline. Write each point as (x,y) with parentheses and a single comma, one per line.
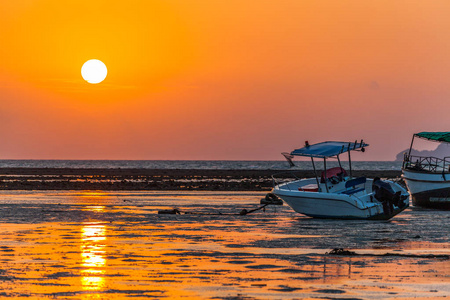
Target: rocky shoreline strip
(153,179)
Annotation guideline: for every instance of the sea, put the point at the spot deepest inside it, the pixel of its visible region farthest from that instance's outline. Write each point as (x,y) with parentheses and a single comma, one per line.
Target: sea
(196,164)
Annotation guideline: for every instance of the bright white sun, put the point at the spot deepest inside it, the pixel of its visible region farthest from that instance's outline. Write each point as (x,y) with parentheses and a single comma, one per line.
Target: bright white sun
(94,71)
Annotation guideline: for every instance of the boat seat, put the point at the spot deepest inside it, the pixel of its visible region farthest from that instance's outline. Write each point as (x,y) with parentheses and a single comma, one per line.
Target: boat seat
(351,186)
(333,172)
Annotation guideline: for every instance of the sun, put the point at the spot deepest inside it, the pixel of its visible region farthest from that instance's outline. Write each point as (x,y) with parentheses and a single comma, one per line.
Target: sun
(94,71)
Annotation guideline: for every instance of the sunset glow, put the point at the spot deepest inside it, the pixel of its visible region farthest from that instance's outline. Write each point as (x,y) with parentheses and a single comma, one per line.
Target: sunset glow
(205,80)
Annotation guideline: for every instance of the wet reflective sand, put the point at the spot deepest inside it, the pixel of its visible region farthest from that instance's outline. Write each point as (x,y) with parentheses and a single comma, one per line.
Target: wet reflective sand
(114,245)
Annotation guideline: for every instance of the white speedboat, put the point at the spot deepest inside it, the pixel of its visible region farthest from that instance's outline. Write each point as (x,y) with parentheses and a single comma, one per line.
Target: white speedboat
(428,178)
(336,194)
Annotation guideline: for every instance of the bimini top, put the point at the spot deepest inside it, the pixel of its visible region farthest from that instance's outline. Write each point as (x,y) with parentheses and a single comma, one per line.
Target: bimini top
(435,136)
(328,149)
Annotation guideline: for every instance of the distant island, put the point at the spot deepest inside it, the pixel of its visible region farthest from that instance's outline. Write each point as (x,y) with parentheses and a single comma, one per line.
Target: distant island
(441,151)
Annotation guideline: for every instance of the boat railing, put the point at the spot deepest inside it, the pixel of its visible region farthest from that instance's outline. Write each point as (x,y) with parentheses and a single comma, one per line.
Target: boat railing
(284,178)
(426,163)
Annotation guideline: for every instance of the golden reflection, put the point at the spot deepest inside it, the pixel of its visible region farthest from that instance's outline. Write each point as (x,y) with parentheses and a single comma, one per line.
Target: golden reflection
(95,201)
(93,194)
(94,208)
(93,237)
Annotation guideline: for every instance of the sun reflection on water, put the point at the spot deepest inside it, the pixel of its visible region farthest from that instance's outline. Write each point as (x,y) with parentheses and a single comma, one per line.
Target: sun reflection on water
(94,208)
(93,237)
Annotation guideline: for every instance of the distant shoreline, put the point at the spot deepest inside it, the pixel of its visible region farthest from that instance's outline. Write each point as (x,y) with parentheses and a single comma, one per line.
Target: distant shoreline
(152,179)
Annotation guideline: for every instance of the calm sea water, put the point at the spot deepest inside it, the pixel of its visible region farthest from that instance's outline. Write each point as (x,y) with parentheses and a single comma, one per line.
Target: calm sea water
(193,164)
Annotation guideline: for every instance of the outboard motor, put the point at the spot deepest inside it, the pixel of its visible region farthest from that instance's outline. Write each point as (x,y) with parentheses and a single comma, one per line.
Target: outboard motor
(386,195)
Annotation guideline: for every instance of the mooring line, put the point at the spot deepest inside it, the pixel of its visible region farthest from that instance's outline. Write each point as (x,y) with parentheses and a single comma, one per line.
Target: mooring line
(176,211)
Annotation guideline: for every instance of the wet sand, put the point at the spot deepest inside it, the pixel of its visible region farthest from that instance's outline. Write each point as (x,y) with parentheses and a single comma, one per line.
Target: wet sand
(115,245)
(151,179)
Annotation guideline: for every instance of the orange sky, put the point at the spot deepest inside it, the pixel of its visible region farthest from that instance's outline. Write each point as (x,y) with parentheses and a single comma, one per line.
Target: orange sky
(205,79)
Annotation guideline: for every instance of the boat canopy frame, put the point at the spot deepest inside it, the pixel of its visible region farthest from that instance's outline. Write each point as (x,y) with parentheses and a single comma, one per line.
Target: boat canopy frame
(428,163)
(329,149)
(439,136)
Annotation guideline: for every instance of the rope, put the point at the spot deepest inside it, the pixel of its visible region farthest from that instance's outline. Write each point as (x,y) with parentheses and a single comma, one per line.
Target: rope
(176,211)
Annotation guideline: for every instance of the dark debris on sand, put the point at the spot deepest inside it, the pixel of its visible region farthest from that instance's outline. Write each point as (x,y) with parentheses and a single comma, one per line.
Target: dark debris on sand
(344,252)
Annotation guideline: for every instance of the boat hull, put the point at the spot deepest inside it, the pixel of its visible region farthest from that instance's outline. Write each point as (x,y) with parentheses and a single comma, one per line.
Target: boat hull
(334,206)
(430,190)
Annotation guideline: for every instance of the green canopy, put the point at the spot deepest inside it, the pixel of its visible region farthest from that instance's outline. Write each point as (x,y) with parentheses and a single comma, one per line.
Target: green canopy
(435,136)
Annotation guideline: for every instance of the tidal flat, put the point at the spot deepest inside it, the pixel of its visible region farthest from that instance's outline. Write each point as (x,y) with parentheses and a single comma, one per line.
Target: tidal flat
(115,245)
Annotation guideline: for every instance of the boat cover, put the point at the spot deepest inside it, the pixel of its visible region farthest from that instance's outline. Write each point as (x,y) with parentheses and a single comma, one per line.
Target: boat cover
(328,149)
(435,136)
